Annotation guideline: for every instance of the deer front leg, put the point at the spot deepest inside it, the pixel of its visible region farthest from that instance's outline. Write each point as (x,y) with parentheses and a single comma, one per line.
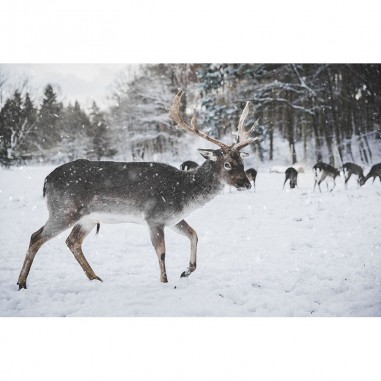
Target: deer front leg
(183,228)
(158,242)
(347,179)
(286,181)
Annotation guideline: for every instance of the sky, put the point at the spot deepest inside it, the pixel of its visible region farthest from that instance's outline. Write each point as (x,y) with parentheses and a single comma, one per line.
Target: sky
(82,82)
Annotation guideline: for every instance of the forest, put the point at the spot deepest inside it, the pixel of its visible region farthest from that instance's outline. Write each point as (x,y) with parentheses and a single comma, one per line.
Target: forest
(305,113)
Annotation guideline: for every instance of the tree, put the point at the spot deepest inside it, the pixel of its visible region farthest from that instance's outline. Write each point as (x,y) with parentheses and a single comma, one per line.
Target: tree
(17,121)
(47,119)
(74,126)
(99,134)
(140,119)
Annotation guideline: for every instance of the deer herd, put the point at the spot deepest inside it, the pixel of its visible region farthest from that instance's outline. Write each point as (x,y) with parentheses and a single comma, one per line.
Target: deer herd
(83,194)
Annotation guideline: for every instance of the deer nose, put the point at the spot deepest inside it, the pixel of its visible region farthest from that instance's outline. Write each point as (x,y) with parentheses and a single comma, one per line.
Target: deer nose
(244,184)
(247,183)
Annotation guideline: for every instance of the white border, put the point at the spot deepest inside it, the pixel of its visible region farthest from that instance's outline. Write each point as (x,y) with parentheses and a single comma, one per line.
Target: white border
(119,31)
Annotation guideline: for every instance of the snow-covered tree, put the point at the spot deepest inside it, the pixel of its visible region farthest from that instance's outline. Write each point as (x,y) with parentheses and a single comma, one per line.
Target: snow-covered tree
(98,132)
(17,124)
(74,126)
(47,119)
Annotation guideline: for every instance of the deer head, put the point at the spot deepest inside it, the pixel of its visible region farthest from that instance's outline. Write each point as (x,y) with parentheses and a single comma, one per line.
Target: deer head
(228,158)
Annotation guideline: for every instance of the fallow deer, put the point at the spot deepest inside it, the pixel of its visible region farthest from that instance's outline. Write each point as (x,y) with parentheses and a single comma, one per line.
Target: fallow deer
(374,172)
(292,175)
(350,169)
(251,174)
(82,194)
(187,165)
(322,171)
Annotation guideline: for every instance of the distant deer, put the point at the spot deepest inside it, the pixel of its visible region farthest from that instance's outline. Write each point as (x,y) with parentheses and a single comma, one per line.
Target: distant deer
(350,169)
(292,175)
(322,171)
(374,172)
(187,165)
(251,174)
(82,194)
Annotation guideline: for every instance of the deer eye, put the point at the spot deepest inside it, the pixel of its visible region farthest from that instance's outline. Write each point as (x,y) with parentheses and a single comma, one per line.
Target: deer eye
(227,166)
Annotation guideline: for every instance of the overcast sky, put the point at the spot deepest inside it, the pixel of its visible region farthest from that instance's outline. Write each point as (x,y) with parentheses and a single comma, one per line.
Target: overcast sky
(82,82)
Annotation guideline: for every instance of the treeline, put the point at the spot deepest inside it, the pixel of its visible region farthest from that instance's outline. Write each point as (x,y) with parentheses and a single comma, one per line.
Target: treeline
(329,112)
(50,131)
(306,112)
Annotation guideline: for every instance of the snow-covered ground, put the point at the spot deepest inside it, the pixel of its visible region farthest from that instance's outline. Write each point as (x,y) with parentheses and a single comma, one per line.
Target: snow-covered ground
(263,253)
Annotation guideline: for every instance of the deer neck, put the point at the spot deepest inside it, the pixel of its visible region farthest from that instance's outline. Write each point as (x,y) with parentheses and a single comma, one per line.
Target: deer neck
(204,182)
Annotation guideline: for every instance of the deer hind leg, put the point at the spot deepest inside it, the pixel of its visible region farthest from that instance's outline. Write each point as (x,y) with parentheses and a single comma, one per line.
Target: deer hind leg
(74,243)
(334,185)
(158,242)
(321,180)
(51,229)
(183,228)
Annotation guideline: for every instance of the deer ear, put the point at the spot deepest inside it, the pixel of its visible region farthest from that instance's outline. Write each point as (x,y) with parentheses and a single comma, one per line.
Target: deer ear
(244,155)
(210,154)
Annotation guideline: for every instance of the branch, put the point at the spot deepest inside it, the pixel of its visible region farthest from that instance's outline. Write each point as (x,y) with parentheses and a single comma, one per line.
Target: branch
(301,80)
(284,100)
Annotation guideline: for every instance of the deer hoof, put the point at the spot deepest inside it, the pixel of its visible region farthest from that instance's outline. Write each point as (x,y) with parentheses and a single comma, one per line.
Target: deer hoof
(97,278)
(21,285)
(188,272)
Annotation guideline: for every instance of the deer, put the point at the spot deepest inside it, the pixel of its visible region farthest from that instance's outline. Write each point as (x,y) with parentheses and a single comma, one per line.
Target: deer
(251,174)
(292,175)
(350,169)
(188,165)
(322,171)
(82,194)
(374,172)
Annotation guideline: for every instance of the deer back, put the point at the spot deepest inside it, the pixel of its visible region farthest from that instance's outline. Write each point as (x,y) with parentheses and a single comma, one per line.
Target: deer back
(327,169)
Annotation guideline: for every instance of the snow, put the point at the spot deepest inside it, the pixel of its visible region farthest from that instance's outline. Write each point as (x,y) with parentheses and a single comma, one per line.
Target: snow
(263,253)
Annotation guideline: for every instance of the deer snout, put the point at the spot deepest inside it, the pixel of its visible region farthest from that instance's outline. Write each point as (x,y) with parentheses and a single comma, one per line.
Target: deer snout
(243,184)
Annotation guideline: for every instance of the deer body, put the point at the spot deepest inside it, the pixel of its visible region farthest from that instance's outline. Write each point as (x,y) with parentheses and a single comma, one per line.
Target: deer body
(251,174)
(187,165)
(126,192)
(350,169)
(82,194)
(374,172)
(292,175)
(323,171)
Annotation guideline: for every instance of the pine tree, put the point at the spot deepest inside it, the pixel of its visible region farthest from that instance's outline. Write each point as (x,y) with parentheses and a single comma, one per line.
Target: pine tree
(47,119)
(98,133)
(74,128)
(13,127)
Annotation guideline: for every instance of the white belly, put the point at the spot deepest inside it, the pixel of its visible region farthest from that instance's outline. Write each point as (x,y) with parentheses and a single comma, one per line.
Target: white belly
(108,218)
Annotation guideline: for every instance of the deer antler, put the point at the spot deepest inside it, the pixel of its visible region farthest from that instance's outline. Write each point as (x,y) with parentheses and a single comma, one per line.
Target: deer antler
(243,137)
(175,115)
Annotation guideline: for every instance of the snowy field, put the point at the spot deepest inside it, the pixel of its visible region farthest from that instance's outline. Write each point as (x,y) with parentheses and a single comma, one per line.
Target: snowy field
(263,253)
